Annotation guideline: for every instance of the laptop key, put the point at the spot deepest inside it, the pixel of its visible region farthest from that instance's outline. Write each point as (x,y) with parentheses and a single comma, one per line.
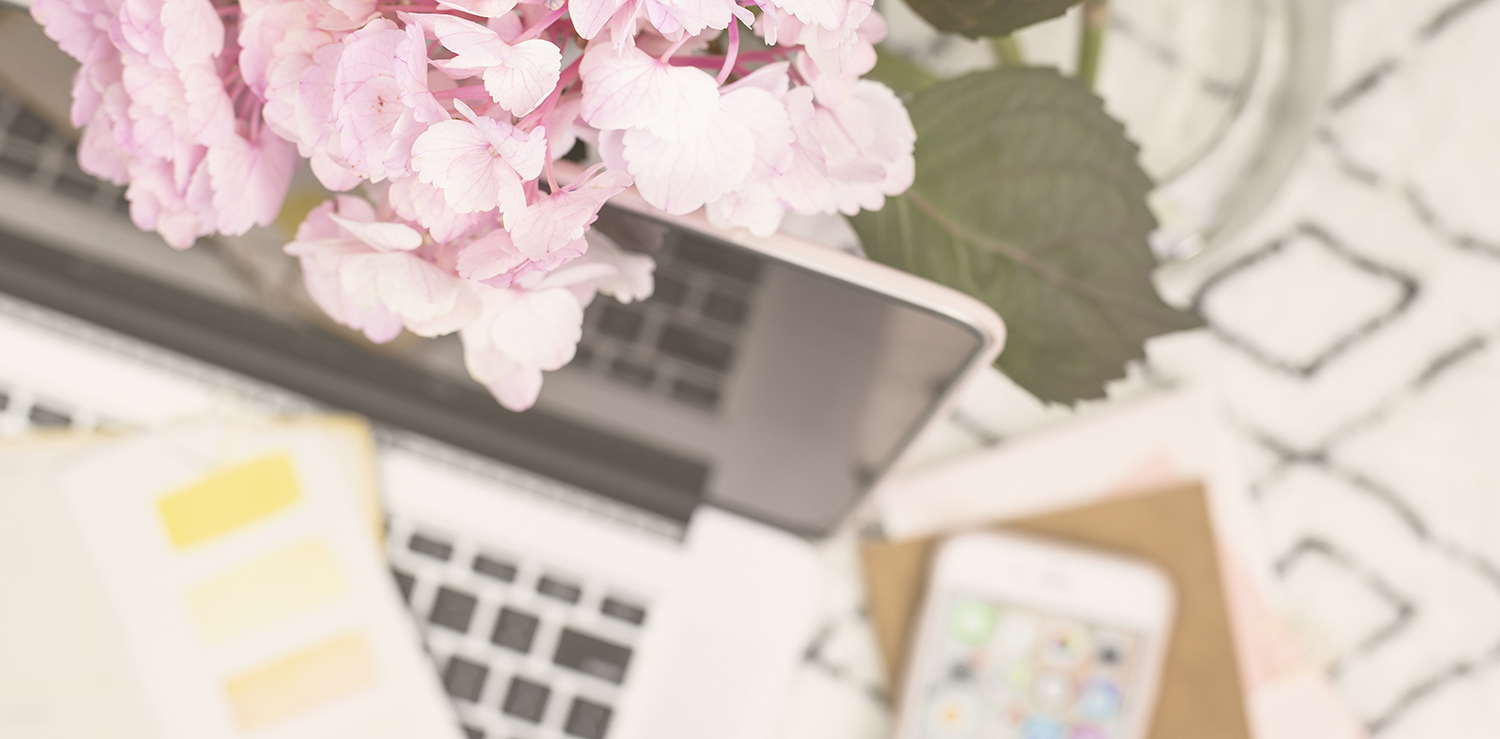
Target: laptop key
(46,417)
(514,630)
(592,656)
(430,547)
(622,323)
(495,568)
(471,732)
(587,719)
(453,609)
(526,700)
(465,679)
(690,346)
(623,611)
(405,582)
(695,394)
(726,308)
(632,373)
(558,589)
(669,290)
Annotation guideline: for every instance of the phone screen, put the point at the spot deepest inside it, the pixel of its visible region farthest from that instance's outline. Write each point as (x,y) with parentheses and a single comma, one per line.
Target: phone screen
(1007,671)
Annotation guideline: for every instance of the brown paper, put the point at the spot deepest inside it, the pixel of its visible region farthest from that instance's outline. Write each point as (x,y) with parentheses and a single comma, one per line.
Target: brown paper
(1200,693)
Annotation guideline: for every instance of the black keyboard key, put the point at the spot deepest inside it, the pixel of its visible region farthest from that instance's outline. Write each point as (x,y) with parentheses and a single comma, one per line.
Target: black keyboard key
(669,290)
(622,323)
(558,589)
(514,630)
(29,127)
(587,719)
(17,163)
(495,568)
(77,186)
(453,609)
(46,417)
(690,346)
(582,356)
(430,547)
(592,656)
(726,308)
(718,257)
(405,582)
(623,611)
(465,679)
(526,700)
(472,733)
(632,373)
(693,394)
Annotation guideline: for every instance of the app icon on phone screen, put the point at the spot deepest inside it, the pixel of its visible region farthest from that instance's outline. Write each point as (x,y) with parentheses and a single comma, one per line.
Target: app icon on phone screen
(1015,672)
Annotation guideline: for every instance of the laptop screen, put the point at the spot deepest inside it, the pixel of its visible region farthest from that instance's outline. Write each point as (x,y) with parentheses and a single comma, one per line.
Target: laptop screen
(792,389)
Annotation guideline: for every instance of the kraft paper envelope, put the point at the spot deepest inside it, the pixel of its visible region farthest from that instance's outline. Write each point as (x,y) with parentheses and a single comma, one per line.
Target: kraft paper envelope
(1200,692)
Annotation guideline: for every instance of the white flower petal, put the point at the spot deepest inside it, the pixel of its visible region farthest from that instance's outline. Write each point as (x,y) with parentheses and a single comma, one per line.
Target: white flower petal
(590,16)
(483,8)
(561,218)
(629,89)
(539,328)
(770,127)
(382,236)
(527,75)
(680,177)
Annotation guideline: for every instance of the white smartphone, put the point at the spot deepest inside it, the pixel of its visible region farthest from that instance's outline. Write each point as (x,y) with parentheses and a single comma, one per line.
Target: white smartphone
(1022,638)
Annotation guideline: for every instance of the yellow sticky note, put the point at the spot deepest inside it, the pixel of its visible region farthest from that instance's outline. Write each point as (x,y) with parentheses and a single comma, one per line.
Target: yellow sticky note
(281,585)
(228,499)
(302,682)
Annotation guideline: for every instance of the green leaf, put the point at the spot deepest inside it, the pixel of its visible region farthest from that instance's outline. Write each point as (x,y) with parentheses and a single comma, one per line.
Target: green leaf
(899,73)
(1029,197)
(975,18)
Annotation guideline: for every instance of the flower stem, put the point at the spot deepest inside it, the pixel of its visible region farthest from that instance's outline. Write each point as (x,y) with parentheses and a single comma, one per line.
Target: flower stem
(667,55)
(540,26)
(1008,51)
(768,55)
(468,92)
(732,52)
(536,117)
(1091,39)
(406,6)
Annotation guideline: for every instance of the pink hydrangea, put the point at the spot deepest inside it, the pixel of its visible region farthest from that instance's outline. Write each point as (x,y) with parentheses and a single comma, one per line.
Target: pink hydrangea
(441,121)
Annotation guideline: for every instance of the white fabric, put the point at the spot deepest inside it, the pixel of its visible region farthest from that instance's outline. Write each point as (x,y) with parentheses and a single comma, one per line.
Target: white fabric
(1353,338)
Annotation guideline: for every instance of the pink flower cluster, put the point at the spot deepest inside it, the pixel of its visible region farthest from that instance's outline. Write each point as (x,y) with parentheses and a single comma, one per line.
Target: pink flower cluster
(446,116)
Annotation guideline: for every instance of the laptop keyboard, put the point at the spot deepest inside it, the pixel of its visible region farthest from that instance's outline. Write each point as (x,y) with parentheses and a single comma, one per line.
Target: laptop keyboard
(681,342)
(678,344)
(524,649)
(35,153)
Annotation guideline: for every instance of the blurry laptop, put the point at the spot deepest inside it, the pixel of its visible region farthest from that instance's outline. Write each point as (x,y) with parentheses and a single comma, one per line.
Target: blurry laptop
(631,558)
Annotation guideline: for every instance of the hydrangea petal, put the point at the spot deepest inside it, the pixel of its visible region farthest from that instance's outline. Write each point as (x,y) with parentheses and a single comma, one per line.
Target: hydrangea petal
(381,236)
(488,256)
(539,328)
(415,200)
(590,16)
(482,8)
(459,159)
(562,217)
(192,31)
(679,177)
(528,74)
(629,89)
